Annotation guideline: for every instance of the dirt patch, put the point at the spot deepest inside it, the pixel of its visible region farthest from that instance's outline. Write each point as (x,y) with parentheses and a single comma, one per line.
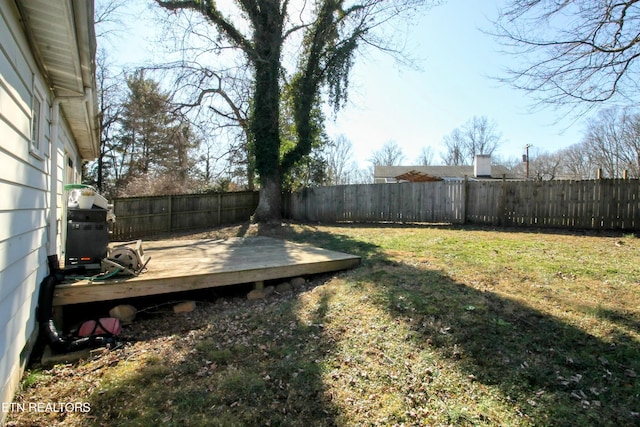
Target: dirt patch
(237,230)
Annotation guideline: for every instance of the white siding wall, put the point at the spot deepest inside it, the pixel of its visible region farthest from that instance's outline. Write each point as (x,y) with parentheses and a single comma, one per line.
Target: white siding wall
(66,151)
(25,202)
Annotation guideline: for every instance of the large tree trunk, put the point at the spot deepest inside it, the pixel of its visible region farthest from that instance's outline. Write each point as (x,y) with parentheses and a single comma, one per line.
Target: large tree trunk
(266,131)
(269,208)
(265,117)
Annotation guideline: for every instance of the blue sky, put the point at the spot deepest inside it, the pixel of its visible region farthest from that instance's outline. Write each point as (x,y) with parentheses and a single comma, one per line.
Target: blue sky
(417,107)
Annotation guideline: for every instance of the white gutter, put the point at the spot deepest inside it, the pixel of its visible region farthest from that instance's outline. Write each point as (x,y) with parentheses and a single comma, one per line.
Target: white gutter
(53,195)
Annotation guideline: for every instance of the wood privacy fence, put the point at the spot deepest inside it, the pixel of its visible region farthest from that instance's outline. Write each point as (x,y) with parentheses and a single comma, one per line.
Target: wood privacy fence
(406,202)
(144,216)
(591,204)
(604,204)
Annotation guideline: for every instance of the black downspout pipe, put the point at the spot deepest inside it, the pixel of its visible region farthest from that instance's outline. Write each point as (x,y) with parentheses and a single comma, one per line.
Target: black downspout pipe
(57,342)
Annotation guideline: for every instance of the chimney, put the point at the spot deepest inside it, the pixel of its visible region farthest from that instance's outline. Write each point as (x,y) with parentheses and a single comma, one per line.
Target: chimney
(482,166)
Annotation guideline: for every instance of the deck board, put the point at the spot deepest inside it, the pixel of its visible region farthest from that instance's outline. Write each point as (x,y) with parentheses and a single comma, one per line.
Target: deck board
(183,265)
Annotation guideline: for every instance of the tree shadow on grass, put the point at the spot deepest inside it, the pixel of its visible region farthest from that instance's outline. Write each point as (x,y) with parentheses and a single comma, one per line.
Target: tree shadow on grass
(251,364)
(619,317)
(260,363)
(248,363)
(551,372)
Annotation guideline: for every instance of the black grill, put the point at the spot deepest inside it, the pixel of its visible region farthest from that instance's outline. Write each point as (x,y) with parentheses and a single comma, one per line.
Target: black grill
(87,237)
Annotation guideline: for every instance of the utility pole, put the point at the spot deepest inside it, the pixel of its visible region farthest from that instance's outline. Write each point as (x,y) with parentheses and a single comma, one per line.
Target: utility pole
(526,159)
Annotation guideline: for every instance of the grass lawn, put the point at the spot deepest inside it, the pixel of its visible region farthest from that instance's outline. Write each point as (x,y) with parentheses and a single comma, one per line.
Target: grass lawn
(439,326)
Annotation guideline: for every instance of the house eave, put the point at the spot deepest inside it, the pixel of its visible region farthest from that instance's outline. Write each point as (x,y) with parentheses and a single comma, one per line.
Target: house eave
(62,37)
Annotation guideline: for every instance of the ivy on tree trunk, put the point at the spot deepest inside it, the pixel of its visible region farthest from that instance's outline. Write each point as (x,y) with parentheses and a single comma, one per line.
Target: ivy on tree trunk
(331,32)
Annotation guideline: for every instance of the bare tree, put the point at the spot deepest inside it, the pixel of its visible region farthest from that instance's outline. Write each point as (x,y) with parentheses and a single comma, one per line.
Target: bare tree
(482,136)
(389,155)
(477,136)
(216,100)
(578,163)
(426,156)
(578,52)
(362,176)
(103,172)
(107,18)
(630,152)
(339,155)
(455,151)
(611,139)
(546,166)
(603,140)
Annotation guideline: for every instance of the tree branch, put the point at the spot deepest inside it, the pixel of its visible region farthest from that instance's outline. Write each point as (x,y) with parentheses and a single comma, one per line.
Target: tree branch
(209,9)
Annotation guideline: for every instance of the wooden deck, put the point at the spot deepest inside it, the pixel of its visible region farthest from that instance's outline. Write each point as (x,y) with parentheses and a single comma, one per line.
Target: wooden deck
(183,265)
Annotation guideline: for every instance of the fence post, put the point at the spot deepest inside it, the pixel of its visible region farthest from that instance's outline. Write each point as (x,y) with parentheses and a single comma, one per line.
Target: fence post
(170,213)
(465,199)
(219,208)
(502,216)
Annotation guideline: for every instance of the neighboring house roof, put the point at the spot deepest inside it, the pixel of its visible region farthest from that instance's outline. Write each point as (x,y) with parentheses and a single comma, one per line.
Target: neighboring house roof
(415,176)
(62,36)
(388,173)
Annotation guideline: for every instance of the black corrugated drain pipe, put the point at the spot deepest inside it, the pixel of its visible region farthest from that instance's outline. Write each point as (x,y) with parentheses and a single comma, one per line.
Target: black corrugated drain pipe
(61,343)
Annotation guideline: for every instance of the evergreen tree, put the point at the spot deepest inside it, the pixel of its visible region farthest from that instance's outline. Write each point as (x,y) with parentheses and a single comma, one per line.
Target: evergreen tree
(154,143)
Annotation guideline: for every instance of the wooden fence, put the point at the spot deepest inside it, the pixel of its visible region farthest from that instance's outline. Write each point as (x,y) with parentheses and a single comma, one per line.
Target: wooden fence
(591,204)
(605,204)
(407,202)
(144,216)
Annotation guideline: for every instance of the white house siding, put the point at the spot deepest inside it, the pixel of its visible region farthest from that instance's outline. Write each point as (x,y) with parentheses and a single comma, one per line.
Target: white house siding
(65,175)
(25,202)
